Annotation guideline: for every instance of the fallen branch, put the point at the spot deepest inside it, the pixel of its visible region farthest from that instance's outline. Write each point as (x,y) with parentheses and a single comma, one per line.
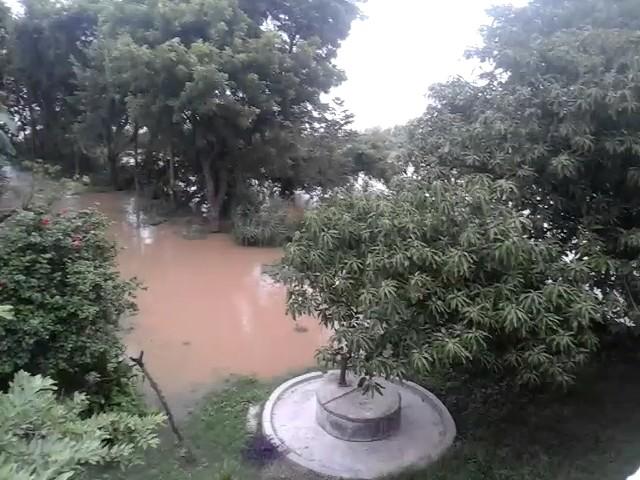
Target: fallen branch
(187,453)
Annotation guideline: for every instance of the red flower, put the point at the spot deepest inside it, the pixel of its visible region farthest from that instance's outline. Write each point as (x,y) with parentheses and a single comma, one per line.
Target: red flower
(45,221)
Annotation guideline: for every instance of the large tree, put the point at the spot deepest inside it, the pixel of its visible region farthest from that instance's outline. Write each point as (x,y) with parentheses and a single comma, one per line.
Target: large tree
(224,88)
(214,92)
(100,100)
(558,112)
(39,76)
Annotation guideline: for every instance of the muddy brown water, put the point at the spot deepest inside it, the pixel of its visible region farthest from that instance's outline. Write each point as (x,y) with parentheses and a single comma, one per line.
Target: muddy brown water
(207,311)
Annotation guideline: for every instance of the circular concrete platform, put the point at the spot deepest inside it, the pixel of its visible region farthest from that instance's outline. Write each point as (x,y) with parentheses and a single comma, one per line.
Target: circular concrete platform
(426,430)
(345,413)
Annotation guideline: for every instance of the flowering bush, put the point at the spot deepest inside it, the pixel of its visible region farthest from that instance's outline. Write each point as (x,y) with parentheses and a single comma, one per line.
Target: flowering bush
(58,272)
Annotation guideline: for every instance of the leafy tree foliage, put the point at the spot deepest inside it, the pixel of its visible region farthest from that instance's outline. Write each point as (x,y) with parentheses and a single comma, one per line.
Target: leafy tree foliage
(442,273)
(44,437)
(379,153)
(269,222)
(58,272)
(233,96)
(557,113)
(102,122)
(223,91)
(323,158)
(39,77)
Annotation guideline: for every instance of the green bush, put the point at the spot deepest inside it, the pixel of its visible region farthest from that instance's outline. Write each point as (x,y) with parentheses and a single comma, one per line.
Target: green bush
(441,273)
(58,273)
(44,437)
(266,224)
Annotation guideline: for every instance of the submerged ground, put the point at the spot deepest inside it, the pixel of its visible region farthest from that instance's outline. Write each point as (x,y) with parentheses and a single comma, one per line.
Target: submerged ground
(206,311)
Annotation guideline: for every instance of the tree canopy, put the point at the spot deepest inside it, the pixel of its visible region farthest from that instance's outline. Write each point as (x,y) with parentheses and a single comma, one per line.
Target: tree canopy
(209,93)
(438,274)
(521,196)
(558,112)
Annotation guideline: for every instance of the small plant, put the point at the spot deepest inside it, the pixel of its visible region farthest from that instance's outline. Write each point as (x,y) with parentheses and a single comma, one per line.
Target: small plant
(266,224)
(45,437)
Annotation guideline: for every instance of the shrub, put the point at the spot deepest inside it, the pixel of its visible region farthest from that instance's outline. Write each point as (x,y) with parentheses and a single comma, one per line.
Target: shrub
(267,224)
(440,274)
(58,272)
(44,437)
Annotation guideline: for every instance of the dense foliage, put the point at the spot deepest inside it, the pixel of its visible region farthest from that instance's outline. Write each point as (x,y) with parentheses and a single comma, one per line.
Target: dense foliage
(440,274)
(44,437)
(197,96)
(58,272)
(267,224)
(511,271)
(558,113)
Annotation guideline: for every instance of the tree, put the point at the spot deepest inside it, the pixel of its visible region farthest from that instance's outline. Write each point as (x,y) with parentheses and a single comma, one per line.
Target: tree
(40,74)
(320,157)
(378,153)
(228,101)
(436,274)
(45,437)
(559,114)
(100,98)
(210,94)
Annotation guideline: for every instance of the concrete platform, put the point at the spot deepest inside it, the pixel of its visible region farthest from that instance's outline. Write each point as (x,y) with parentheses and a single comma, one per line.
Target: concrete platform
(289,421)
(345,413)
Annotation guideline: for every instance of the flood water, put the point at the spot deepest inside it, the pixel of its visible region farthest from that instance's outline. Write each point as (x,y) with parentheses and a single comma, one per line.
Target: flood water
(207,311)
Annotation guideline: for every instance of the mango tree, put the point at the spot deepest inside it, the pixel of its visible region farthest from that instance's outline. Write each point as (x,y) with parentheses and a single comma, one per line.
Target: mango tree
(440,273)
(558,113)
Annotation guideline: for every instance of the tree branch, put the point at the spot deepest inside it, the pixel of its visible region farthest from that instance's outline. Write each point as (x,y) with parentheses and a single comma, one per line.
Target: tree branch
(139,361)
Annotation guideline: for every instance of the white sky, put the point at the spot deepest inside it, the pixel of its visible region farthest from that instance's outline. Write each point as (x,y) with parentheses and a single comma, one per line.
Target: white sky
(401,48)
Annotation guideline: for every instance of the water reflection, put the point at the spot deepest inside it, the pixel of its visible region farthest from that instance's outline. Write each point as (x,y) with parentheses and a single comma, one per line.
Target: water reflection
(207,310)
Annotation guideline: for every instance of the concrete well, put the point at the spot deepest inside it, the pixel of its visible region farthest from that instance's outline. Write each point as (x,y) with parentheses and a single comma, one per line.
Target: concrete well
(339,432)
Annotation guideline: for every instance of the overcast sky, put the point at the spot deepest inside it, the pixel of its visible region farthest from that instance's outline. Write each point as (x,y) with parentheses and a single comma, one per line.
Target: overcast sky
(401,48)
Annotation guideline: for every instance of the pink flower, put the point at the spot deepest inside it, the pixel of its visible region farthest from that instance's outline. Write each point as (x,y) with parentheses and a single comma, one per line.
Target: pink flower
(45,221)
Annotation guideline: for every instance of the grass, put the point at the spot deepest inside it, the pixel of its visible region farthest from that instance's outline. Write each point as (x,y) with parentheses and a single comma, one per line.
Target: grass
(592,432)
(215,433)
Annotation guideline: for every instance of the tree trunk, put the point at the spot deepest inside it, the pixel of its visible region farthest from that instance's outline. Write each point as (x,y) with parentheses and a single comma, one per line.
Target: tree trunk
(344,363)
(34,135)
(113,169)
(76,162)
(210,189)
(139,361)
(172,176)
(136,160)
(112,156)
(215,194)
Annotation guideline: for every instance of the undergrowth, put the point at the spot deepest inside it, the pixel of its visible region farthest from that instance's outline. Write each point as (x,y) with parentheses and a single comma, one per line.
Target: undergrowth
(588,433)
